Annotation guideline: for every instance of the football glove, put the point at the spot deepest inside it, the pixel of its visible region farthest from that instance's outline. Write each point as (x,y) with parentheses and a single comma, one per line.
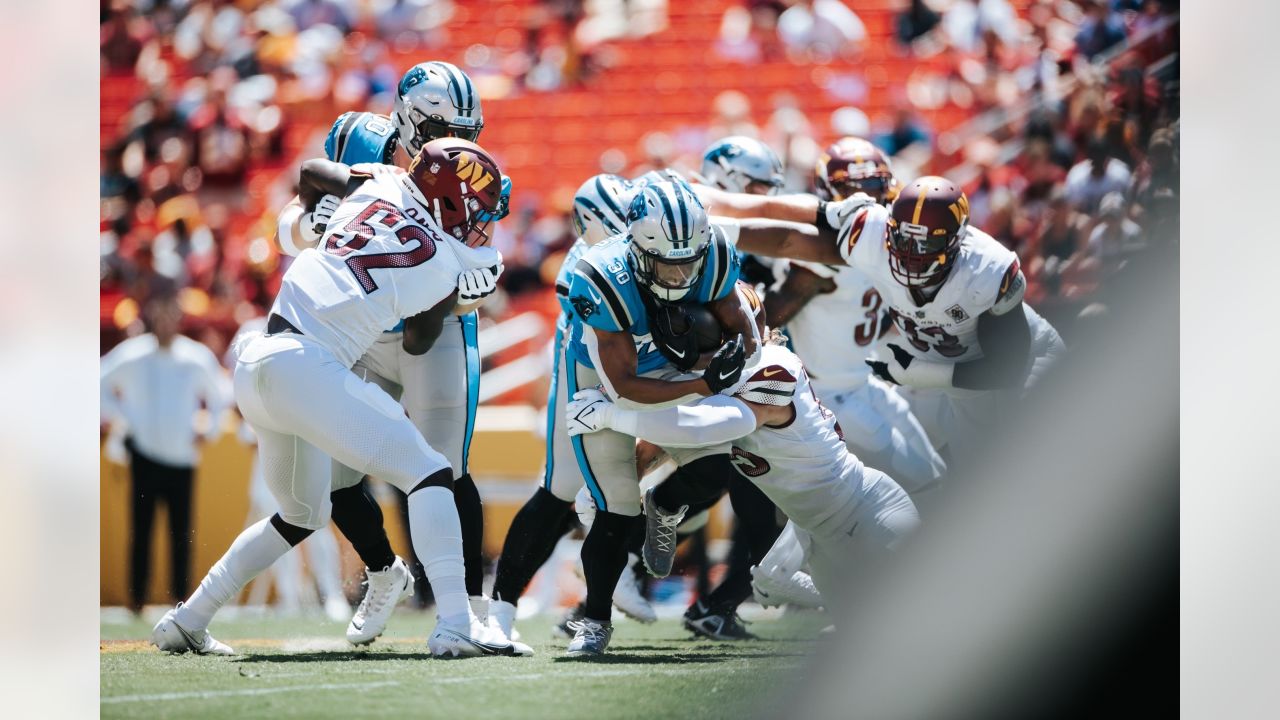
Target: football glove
(906,369)
(679,348)
(313,224)
(478,283)
(725,368)
(589,411)
(836,213)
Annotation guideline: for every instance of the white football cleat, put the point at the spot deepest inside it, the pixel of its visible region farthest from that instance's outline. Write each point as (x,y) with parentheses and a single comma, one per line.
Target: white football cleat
(475,640)
(385,589)
(171,637)
(628,598)
(772,589)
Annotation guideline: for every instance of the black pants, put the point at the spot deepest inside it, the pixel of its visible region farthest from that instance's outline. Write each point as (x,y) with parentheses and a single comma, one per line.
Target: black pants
(154,481)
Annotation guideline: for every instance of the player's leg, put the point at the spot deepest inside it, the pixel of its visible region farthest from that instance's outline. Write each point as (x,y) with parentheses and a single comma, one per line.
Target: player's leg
(541,521)
(178,499)
(441,393)
(701,477)
(879,428)
(780,577)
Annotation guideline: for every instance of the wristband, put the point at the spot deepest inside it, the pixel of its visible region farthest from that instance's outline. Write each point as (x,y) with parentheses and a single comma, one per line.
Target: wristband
(284,230)
(821,221)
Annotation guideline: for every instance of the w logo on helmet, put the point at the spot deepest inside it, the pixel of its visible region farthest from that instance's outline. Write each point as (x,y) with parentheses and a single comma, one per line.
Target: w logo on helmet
(473,173)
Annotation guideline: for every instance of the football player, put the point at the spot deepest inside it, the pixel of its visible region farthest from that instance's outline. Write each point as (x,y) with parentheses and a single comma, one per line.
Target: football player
(402,246)
(788,444)
(599,212)
(618,291)
(834,318)
(440,389)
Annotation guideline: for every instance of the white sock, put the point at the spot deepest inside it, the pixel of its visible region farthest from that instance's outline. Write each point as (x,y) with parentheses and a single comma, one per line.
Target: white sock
(437,541)
(251,553)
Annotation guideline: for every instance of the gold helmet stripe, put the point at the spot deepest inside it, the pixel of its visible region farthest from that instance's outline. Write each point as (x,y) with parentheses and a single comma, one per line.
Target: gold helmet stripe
(915,214)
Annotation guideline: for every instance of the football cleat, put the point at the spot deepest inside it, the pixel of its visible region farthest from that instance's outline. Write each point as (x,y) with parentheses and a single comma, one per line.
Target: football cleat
(564,629)
(659,550)
(699,620)
(627,596)
(772,589)
(475,639)
(385,589)
(480,608)
(171,637)
(590,638)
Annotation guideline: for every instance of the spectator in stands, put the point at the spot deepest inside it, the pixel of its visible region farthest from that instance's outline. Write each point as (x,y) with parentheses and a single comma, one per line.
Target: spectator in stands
(122,37)
(914,22)
(1115,235)
(1100,29)
(152,386)
(906,131)
(1095,176)
(821,29)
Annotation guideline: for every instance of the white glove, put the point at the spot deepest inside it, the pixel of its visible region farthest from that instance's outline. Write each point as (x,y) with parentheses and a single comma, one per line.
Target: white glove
(313,224)
(840,211)
(906,369)
(585,506)
(589,411)
(478,283)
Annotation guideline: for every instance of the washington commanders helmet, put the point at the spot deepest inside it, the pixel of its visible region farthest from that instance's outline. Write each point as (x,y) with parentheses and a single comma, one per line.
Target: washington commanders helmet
(926,224)
(460,185)
(853,165)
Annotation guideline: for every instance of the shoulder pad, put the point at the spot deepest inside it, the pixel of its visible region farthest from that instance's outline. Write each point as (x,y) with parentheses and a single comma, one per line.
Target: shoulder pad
(723,266)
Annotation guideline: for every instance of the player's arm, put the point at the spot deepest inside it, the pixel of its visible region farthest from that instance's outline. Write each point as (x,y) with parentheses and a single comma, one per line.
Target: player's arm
(800,286)
(422,330)
(320,177)
(776,238)
(736,318)
(710,421)
(614,356)
(1006,344)
(322,185)
(794,208)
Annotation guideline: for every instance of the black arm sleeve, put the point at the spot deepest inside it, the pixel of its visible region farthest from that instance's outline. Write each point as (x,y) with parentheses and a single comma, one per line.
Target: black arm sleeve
(1006,344)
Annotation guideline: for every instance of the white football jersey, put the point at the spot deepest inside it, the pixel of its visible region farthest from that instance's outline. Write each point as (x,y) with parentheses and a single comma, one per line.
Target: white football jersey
(804,467)
(382,259)
(986,276)
(834,333)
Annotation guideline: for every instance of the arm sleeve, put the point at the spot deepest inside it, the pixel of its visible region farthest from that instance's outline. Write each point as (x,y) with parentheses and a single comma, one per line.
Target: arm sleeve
(712,421)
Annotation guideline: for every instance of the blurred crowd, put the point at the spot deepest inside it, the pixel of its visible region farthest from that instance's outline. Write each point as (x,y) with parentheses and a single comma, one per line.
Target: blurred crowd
(1069,156)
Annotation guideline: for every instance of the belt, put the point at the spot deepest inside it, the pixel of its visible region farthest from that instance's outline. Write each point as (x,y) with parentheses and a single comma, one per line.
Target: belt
(277,324)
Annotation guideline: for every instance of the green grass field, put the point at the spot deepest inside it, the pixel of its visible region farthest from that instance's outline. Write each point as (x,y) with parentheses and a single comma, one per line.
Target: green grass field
(302,668)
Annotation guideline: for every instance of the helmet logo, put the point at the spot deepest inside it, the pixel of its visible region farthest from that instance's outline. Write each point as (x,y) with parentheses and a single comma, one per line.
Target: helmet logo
(960,209)
(435,168)
(472,172)
(683,252)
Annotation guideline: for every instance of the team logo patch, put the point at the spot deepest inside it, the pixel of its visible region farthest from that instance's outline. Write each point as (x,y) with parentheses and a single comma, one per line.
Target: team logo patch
(435,168)
(583,306)
(957,314)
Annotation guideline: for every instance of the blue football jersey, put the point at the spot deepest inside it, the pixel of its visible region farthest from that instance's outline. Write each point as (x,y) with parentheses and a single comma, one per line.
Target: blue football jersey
(565,274)
(361,137)
(603,294)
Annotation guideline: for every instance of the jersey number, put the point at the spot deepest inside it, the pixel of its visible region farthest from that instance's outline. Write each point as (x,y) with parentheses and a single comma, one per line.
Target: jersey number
(867,332)
(750,465)
(361,232)
(378,126)
(925,339)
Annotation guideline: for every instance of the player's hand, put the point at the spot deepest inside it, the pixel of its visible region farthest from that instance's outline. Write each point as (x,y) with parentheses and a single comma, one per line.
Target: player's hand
(680,348)
(725,368)
(313,224)
(478,283)
(839,212)
(906,369)
(589,411)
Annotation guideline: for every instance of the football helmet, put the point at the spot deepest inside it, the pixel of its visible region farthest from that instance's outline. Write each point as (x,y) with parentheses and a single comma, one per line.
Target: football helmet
(670,239)
(743,165)
(926,224)
(600,207)
(459,184)
(434,100)
(853,165)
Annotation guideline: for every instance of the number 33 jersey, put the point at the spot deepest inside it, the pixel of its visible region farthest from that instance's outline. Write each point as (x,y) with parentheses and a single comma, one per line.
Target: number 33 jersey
(986,277)
(382,259)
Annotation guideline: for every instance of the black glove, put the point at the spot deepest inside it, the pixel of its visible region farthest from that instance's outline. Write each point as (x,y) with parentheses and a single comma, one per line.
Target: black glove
(681,348)
(726,365)
(902,361)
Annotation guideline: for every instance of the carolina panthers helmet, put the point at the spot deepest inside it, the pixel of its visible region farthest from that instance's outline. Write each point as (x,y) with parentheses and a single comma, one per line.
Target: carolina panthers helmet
(600,207)
(743,165)
(670,238)
(434,100)
(657,176)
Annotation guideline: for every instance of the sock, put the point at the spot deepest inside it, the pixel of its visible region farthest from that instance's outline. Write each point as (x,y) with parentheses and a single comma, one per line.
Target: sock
(471,516)
(437,541)
(253,551)
(695,484)
(358,517)
(604,556)
(529,543)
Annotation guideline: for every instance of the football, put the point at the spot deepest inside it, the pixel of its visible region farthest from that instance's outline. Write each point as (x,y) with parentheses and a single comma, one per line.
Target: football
(704,325)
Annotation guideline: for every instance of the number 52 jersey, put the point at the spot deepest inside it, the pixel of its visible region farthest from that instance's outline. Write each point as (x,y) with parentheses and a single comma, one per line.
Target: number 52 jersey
(986,277)
(382,259)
